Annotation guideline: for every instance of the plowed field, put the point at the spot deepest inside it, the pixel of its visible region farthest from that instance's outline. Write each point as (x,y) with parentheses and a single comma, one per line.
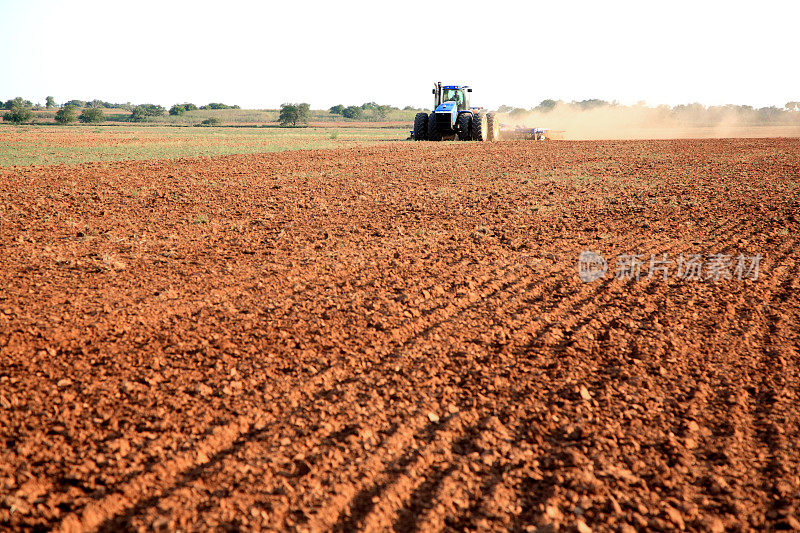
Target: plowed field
(397,337)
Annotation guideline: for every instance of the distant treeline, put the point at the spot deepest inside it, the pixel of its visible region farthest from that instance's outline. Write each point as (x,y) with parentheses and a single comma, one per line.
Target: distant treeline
(50,102)
(295,114)
(367,111)
(19,110)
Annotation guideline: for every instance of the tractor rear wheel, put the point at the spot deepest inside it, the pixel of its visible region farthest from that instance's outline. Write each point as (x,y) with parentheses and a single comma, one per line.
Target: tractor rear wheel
(421,127)
(493,127)
(464,122)
(479,127)
(433,129)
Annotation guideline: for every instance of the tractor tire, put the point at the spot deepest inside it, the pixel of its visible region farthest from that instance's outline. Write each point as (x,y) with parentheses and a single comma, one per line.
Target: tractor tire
(421,127)
(480,127)
(433,129)
(493,127)
(464,122)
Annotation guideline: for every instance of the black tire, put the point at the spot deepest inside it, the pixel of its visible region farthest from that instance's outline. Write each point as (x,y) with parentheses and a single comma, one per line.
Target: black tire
(433,129)
(493,127)
(464,122)
(421,127)
(479,127)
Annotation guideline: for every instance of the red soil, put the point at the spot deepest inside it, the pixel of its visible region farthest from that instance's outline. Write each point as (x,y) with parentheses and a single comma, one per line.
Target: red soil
(396,337)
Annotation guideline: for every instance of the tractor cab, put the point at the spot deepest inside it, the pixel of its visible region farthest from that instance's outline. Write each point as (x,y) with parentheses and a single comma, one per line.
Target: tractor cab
(459,94)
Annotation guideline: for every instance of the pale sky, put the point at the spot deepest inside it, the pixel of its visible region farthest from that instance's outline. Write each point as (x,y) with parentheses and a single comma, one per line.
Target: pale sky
(262,54)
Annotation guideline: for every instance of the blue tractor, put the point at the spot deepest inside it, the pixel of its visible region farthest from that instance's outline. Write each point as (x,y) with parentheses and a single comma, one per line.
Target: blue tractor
(452,118)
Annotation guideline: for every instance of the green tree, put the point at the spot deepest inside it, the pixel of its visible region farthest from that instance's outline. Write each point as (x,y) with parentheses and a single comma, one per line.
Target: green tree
(177,109)
(336,110)
(546,105)
(590,104)
(50,102)
(17,102)
(138,114)
(217,105)
(92,115)
(190,107)
(769,113)
(141,112)
(66,114)
(352,112)
(294,114)
(304,112)
(153,110)
(288,115)
(18,114)
(382,112)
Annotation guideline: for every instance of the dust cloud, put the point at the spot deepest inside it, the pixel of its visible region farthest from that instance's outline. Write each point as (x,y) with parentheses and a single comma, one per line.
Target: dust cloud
(609,121)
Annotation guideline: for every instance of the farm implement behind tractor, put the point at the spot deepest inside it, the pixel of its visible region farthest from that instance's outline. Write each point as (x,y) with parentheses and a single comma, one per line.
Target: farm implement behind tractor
(522,133)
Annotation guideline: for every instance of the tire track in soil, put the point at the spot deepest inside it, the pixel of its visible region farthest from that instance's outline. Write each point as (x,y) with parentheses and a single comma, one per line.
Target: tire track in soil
(481,500)
(337,503)
(427,330)
(411,500)
(396,481)
(700,403)
(387,466)
(621,294)
(585,293)
(516,296)
(564,302)
(443,476)
(486,281)
(725,418)
(424,331)
(462,519)
(698,371)
(419,427)
(776,396)
(724,363)
(466,484)
(643,289)
(223,438)
(446,475)
(585,299)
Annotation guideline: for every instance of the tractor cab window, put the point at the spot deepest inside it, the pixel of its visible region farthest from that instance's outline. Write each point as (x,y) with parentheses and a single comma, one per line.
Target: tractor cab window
(455,95)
